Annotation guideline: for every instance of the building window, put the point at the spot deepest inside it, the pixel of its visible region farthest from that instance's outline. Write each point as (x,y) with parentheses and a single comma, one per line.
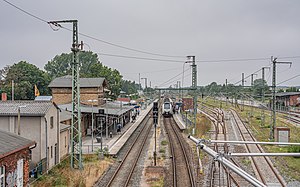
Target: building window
(65,141)
(2,176)
(55,154)
(51,151)
(51,122)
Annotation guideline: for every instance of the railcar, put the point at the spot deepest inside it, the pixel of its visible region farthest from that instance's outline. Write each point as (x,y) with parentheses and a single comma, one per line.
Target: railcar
(167,108)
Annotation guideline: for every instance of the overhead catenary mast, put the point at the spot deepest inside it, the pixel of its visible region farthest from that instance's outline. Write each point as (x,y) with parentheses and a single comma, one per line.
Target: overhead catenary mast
(76,138)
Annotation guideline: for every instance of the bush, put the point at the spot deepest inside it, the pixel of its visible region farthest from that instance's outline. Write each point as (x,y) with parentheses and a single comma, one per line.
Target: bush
(294,149)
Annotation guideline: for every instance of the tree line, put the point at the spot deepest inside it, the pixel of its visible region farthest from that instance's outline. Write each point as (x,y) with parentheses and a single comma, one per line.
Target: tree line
(26,75)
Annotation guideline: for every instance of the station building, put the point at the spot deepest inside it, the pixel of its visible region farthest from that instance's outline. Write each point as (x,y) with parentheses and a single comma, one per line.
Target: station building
(15,154)
(37,121)
(92,103)
(288,99)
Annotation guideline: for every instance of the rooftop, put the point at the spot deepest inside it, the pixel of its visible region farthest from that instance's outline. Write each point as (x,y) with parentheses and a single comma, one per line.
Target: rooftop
(281,94)
(66,82)
(110,108)
(27,108)
(11,143)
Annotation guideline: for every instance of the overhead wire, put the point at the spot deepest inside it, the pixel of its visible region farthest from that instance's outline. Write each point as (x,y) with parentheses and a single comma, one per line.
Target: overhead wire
(140,58)
(163,70)
(91,37)
(26,12)
(172,78)
(288,79)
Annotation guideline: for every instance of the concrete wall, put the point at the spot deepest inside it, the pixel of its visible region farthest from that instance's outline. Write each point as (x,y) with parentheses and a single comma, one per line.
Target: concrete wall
(53,137)
(64,143)
(4,124)
(33,128)
(30,128)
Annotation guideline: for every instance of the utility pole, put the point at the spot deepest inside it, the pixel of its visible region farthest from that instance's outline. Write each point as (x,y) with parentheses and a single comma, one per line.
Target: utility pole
(145,91)
(263,95)
(226,90)
(178,86)
(145,83)
(140,86)
(243,84)
(76,138)
(273,125)
(191,59)
(150,91)
(252,102)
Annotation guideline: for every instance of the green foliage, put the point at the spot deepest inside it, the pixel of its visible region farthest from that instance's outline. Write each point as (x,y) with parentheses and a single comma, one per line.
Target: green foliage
(162,150)
(292,89)
(164,142)
(25,76)
(129,87)
(294,149)
(90,67)
(260,85)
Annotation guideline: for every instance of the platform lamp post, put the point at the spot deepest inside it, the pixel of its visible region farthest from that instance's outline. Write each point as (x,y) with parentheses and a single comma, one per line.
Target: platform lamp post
(92,101)
(19,118)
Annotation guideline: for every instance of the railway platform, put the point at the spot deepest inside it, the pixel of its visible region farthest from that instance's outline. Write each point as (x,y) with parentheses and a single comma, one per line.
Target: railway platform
(179,121)
(116,142)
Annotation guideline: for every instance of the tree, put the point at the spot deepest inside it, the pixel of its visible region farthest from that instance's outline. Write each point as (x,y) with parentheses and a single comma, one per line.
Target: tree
(25,76)
(90,67)
(129,87)
(259,85)
(292,89)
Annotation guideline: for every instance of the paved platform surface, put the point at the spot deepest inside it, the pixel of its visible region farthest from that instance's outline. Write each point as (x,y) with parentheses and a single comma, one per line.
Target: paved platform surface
(178,119)
(117,145)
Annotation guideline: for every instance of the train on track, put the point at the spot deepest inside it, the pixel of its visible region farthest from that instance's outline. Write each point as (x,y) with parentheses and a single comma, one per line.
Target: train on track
(167,107)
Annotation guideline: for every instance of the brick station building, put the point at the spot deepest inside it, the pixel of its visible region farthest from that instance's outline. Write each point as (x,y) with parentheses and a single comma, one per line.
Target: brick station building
(14,159)
(288,98)
(90,89)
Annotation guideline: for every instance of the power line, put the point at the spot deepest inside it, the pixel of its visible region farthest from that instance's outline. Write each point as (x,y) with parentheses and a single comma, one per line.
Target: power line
(26,12)
(91,37)
(288,79)
(140,58)
(141,51)
(173,78)
(247,77)
(234,60)
(164,70)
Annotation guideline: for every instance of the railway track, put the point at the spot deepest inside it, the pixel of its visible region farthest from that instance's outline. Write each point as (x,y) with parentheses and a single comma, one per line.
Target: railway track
(122,173)
(263,167)
(219,175)
(181,166)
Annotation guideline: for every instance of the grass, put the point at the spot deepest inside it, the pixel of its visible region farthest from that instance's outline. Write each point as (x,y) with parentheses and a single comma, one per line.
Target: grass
(159,183)
(164,142)
(63,175)
(162,150)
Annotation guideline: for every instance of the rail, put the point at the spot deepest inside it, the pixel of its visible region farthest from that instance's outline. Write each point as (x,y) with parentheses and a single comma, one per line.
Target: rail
(175,141)
(145,131)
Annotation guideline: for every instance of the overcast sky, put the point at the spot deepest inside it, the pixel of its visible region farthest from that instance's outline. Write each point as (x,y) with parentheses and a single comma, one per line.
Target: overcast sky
(211,30)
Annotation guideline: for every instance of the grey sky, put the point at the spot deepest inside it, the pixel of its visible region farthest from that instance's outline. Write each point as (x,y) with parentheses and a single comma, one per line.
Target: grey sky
(210,30)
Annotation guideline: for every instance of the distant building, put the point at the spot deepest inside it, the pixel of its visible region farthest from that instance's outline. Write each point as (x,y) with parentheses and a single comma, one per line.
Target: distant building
(90,89)
(288,98)
(14,159)
(39,122)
